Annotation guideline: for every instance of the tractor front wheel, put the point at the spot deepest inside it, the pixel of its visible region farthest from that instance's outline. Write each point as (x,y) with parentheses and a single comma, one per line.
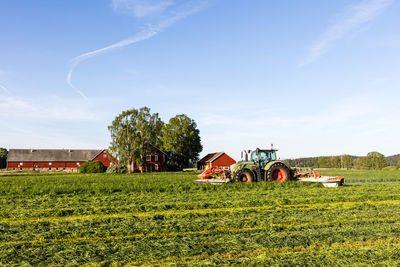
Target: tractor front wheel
(278,172)
(245,177)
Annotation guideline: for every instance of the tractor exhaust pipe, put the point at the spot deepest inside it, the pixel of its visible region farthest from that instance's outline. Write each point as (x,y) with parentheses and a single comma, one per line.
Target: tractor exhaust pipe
(246,156)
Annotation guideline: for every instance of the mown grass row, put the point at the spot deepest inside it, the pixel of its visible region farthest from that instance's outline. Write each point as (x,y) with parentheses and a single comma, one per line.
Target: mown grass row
(356,177)
(182,224)
(205,211)
(59,184)
(131,204)
(384,252)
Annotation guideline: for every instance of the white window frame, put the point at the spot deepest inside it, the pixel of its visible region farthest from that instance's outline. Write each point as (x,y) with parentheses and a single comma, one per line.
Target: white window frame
(155,157)
(148,157)
(156,167)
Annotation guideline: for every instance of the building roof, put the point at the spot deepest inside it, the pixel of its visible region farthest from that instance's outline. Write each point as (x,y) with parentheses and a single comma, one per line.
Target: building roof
(211,157)
(158,149)
(38,155)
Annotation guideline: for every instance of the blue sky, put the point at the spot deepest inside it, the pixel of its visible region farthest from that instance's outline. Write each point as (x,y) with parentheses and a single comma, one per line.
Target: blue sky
(312,77)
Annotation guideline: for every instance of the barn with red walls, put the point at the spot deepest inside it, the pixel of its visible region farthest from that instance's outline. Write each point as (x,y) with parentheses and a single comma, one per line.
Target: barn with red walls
(217,159)
(55,159)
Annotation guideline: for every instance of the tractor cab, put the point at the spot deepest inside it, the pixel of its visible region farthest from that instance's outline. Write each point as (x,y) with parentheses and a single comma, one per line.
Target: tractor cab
(262,157)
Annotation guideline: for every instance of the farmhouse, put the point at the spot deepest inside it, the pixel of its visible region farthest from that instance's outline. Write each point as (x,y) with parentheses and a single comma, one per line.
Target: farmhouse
(153,161)
(55,159)
(217,159)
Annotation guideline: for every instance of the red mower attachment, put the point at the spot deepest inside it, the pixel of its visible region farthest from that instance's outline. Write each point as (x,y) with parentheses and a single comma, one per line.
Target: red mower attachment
(213,175)
(314,177)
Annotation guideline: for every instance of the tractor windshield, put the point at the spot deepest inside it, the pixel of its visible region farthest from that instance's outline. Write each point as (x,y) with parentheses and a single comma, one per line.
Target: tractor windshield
(264,156)
(271,155)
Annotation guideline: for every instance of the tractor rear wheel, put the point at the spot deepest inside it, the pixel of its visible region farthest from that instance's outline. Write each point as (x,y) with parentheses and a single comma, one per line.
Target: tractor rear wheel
(245,177)
(278,172)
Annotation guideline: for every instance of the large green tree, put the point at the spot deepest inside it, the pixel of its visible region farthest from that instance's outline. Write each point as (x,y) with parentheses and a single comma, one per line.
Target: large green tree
(347,161)
(373,161)
(181,138)
(3,158)
(336,162)
(343,161)
(134,133)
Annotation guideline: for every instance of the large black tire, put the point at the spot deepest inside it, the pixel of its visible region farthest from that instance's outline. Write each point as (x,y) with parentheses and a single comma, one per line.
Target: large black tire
(278,172)
(246,177)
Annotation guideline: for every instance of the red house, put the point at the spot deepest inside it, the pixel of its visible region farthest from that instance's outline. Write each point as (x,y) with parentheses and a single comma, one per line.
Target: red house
(55,159)
(218,159)
(153,162)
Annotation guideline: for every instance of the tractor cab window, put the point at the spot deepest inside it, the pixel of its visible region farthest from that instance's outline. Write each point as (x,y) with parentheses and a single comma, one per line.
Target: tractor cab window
(271,155)
(254,156)
(263,156)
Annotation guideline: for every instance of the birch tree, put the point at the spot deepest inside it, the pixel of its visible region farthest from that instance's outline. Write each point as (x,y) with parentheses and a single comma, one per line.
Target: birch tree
(134,133)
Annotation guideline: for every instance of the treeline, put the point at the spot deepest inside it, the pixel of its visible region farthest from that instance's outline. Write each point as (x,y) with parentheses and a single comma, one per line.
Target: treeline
(372,161)
(3,158)
(393,160)
(302,162)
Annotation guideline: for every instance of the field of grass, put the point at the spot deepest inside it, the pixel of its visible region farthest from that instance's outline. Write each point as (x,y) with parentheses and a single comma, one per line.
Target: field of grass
(150,219)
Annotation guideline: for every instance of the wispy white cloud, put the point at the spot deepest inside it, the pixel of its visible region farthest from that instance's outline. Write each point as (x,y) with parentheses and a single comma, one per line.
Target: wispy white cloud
(56,109)
(351,18)
(141,9)
(28,122)
(2,87)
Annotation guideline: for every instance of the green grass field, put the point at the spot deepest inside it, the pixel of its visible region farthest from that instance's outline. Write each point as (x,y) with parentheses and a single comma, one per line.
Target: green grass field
(150,219)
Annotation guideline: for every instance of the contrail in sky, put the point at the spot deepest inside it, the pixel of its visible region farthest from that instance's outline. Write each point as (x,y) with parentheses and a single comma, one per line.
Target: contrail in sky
(5,89)
(141,36)
(354,16)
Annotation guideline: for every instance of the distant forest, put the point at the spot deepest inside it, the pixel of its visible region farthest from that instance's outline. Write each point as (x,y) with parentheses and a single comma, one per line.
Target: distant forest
(373,160)
(393,160)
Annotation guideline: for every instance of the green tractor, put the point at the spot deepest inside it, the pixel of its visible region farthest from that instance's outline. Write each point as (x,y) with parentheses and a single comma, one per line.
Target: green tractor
(262,166)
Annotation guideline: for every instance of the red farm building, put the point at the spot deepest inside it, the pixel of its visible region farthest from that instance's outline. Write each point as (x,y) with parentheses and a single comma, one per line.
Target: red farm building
(218,159)
(55,159)
(153,161)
